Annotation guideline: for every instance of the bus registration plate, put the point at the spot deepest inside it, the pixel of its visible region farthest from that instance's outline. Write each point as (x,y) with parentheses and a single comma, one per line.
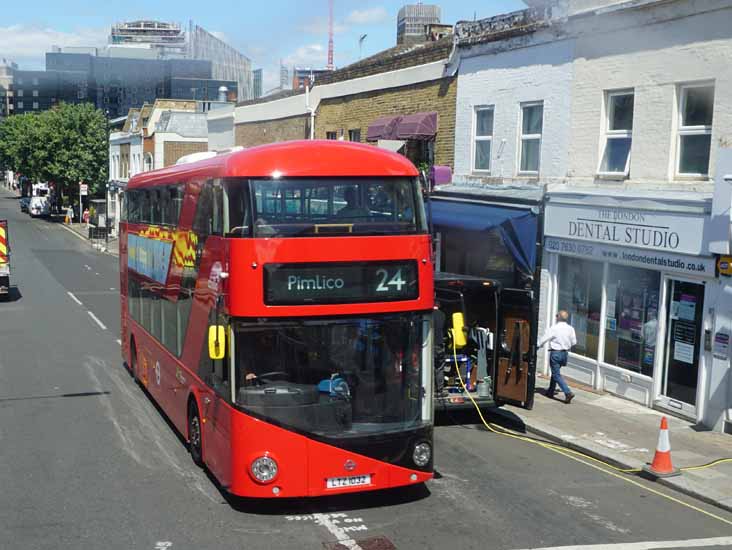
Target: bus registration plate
(351,481)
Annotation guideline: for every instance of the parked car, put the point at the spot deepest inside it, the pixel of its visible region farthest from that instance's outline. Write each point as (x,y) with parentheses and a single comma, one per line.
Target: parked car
(24,202)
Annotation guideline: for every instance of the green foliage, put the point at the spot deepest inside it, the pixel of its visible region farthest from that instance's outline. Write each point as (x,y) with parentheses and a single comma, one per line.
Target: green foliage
(66,144)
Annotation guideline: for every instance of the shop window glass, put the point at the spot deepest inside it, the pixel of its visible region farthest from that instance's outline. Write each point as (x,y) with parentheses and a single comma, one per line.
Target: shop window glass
(580,294)
(632,318)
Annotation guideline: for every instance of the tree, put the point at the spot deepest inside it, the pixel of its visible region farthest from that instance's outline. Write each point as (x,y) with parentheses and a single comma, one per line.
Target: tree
(19,138)
(78,145)
(66,145)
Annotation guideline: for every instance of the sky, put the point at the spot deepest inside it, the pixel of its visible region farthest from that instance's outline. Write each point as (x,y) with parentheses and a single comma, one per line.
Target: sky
(294,31)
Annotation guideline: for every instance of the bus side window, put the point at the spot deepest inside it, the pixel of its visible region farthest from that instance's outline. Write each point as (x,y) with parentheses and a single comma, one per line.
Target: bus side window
(144,206)
(176,203)
(128,206)
(155,206)
(164,206)
(236,201)
(217,206)
(203,222)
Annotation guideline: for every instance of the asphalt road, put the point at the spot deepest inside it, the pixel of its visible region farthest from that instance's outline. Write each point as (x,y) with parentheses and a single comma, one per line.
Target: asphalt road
(87,460)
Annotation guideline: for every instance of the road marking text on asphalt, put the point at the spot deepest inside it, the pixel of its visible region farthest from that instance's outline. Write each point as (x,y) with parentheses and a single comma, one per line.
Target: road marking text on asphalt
(334,524)
(650,545)
(101,325)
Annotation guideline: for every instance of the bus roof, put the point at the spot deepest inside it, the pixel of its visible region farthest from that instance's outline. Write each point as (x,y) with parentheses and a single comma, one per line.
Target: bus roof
(317,158)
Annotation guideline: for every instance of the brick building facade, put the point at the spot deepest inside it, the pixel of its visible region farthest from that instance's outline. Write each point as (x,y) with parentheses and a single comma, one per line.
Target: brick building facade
(269,131)
(403,80)
(343,115)
(174,150)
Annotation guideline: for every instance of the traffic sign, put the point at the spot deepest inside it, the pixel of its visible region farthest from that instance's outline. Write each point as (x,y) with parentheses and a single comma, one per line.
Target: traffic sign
(83,189)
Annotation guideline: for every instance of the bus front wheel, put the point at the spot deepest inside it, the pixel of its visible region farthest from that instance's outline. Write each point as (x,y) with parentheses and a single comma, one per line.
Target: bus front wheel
(194,434)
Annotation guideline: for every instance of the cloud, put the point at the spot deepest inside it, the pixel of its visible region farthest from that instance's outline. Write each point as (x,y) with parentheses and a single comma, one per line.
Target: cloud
(311,55)
(369,16)
(27,45)
(319,26)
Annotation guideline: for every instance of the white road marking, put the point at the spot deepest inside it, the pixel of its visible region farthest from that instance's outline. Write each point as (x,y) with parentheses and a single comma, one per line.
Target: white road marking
(101,325)
(119,341)
(74,298)
(327,521)
(332,522)
(87,267)
(95,273)
(650,545)
(111,288)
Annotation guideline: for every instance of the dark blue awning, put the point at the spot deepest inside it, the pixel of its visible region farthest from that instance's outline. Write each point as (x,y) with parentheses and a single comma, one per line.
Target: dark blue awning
(517,226)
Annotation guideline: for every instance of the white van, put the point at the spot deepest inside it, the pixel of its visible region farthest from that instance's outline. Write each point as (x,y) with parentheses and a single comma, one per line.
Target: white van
(39,206)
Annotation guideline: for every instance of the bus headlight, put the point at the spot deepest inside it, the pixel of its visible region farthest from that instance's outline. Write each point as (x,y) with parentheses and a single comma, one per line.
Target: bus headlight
(422,454)
(264,469)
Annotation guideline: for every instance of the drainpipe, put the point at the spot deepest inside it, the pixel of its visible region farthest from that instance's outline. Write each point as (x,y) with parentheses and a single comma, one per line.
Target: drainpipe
(311,111)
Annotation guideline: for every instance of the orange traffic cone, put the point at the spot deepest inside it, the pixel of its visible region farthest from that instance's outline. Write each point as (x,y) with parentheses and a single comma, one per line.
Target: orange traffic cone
(661,465)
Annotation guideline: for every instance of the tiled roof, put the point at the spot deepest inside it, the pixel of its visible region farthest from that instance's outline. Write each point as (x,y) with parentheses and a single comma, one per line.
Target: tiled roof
(185,124)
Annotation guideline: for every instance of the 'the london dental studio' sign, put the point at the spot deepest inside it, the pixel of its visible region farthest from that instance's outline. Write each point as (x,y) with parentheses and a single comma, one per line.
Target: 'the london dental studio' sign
(677,232)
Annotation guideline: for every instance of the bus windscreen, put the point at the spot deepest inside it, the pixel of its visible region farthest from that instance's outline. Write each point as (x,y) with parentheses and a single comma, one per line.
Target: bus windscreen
(330,206)
(336,377)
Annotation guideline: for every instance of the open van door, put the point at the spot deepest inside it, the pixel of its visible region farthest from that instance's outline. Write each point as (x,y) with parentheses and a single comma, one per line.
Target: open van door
(516,369)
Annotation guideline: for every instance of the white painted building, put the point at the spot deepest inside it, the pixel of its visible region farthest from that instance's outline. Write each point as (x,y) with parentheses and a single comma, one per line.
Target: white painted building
(125,160)
(634,98)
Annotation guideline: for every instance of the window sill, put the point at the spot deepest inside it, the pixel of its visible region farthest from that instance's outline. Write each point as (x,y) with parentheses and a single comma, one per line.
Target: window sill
(611,176)
(692,178)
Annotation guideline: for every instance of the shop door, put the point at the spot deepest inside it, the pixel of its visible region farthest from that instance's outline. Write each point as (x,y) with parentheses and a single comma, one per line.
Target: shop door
(680,374)
(516,365)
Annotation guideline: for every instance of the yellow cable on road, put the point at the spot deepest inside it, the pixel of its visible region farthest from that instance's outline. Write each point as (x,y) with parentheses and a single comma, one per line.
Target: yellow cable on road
(574,455)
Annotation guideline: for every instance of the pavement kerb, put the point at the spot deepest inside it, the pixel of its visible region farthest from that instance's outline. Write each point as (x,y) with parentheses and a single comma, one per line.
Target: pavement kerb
(609,458)
(70,230)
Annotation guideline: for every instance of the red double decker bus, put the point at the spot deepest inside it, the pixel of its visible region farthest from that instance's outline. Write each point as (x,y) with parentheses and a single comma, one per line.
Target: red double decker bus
(277,305)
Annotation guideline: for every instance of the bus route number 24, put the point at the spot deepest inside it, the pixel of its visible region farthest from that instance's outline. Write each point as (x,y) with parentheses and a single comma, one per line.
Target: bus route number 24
(387,284)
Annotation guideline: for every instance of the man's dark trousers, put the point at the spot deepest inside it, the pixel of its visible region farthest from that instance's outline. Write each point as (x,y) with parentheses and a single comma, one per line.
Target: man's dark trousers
(557,359)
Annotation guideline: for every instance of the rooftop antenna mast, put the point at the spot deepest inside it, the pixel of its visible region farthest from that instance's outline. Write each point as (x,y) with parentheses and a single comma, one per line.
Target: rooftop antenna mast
(330,36)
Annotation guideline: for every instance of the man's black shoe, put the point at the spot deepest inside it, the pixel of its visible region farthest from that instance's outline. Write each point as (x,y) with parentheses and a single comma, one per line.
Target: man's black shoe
(569,398)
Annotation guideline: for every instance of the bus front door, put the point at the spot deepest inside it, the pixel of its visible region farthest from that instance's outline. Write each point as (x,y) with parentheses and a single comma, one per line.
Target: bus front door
(516,358)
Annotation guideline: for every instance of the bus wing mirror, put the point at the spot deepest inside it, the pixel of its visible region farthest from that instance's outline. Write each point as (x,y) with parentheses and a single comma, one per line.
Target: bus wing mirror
(458,332)
(216,341)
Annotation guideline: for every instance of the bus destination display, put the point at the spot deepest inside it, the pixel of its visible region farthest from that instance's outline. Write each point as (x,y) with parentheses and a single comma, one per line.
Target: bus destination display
(340,283)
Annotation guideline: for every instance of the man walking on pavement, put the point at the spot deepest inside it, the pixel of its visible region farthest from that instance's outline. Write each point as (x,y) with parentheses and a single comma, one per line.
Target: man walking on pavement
(561,338)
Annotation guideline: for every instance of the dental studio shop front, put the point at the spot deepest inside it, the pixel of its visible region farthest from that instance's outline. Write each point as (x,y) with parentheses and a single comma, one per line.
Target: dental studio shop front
(639,283)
